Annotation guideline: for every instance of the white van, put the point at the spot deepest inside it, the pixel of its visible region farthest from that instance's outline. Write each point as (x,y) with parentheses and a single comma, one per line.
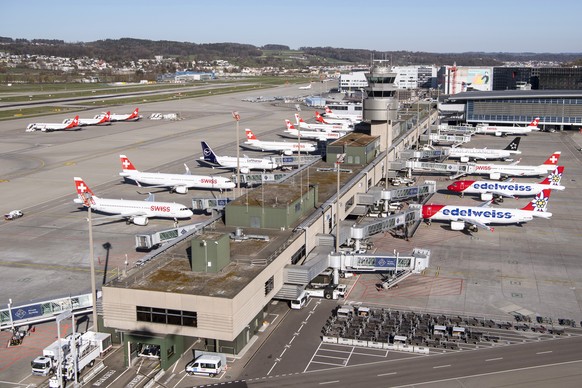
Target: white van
(300,302)
(205,365)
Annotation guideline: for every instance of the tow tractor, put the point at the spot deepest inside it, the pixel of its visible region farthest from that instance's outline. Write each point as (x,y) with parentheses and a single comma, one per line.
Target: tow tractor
(14,214)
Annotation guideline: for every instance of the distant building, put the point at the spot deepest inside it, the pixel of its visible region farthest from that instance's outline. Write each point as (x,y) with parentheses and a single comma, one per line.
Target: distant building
(185,76)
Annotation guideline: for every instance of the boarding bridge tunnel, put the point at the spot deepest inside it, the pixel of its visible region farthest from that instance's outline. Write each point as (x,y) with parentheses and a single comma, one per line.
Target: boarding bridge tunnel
(456,169)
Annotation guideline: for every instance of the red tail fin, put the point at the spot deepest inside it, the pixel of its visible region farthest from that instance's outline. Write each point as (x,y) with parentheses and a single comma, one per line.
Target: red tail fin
(126,163)
(539,203)
(250,134)
(554,178)
(289,124)
(84,192)
(534,122)
(74,123)
(327,110)
(553,160)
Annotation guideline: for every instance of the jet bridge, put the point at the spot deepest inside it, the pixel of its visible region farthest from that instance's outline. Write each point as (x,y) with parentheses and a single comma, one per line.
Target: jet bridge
(417,262)
(372,226)
(378,197)
(457,169)
(445,129)
(423,154)
(445,139)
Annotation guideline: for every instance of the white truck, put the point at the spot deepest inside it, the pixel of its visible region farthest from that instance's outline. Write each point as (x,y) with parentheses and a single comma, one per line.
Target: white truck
(47,363)
(89,347)
(333,291)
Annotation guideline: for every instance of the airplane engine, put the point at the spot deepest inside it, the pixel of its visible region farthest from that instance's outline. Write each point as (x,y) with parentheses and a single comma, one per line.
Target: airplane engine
(457,225)
(245,170)
(181,189)
(498,134)
(495,176)
(464,159)
(140,220)
(486,196)
(288,152)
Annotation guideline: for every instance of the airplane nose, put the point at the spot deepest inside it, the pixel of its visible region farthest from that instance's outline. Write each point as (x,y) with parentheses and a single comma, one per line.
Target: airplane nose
(452,187)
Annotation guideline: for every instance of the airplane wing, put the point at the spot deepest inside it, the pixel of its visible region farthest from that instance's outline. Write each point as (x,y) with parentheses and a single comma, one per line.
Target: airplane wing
(502,194)
(486,203)
(119,216)
(476,223)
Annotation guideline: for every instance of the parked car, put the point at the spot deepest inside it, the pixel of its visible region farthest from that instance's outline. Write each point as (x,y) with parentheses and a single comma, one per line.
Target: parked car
(14,214)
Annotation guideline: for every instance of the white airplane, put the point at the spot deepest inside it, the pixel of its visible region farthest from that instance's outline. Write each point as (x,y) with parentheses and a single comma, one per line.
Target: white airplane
(178,183)
(330,120)
(499,130)
(246,164)
(467,154)
(489,189)
(136,212)
(126,117)
(285,147)
(66,125)
(305,87)
(317,135)
(473,217)
(497,171)
(346,127)
(100,119)
(335,115)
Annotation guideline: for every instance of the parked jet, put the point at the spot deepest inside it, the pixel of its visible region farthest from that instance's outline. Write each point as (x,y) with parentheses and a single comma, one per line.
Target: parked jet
(66,125)
(136,212)
(317,135)
(499,130)
(100,119)
(489,189)
(473,217)
(467,154)
(126,117)
(179,183)
(246,164)
(286,148)
(305,87)
(346,127)
(330,120)
(337,115)
(497,171)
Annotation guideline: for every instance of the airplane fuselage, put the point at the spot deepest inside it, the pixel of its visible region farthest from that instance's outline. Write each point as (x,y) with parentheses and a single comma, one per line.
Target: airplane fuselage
(141,208)
(508,189)
(482,215)
(481,153)
(282,146)
(318,135)
(512,170)
(179,180)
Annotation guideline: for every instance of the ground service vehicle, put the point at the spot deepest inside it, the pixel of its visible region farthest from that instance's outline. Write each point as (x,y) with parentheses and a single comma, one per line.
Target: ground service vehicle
(333,291)
(48,362)
(300,302)
(14,214)
(205,365)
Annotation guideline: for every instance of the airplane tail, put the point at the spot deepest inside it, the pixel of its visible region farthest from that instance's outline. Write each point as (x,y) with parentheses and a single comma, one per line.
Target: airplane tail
(74,123)
(534,123)
(126,164)
(553,160)
(298,119)
(513,145)
(209,155)
(289,125)
(107,117)
(319,118)
(134,114)
(554,178)
(250,134)
(327,110)
(540,203)
(84,192)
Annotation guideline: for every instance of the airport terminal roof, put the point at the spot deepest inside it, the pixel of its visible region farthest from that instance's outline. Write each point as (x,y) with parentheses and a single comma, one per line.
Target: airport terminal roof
(513,94)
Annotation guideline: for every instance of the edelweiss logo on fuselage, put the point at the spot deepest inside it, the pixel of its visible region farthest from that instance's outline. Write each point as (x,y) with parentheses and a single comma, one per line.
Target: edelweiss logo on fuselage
(501,186)
(477,213)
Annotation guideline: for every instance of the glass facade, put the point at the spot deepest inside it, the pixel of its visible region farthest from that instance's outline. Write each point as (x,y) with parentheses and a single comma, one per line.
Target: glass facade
(166,316)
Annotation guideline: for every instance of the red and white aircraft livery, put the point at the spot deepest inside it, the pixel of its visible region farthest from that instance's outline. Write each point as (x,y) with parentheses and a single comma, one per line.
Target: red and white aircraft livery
(285,147)
(488,189)
(497,171)
(345,127)
(135,116)
(499,130)
(66,125)
(100,119)
(336,115)
(137,212)
(317,135)
(472,217)
(330,120)
(179,183)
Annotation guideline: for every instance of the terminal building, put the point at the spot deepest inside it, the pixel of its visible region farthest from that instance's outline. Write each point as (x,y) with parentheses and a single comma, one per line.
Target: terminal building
(215,285)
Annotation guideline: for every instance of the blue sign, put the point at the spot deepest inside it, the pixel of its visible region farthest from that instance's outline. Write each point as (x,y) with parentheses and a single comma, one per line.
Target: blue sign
(386,262)
(288,159)
(26,312)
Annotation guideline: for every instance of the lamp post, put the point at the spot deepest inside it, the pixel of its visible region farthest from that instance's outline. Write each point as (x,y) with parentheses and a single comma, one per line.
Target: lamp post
(340,159)
(88,201)
(205,255)
(10,314)
(236,117)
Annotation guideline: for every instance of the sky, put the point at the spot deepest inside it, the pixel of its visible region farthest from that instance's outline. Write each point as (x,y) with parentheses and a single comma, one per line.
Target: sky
(383,25)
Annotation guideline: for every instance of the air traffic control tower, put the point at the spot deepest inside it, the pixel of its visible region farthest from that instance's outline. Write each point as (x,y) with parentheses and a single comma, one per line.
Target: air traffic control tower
(381,106)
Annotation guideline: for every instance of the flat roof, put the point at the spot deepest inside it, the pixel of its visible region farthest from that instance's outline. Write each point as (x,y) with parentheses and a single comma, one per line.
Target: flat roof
(171,270)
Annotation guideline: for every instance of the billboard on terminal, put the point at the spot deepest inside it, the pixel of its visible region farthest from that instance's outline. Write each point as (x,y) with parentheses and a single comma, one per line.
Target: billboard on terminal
(462,79)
